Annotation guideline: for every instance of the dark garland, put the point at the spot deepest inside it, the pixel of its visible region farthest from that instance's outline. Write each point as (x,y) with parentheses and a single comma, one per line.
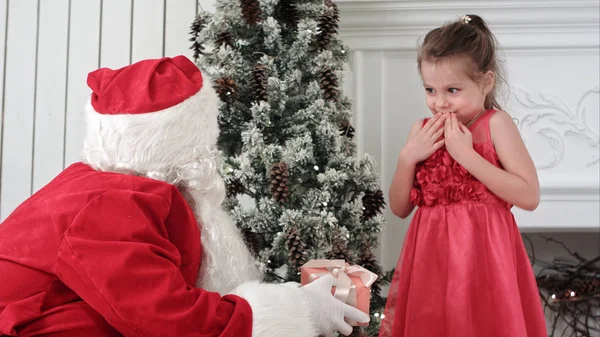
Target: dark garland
(570,290)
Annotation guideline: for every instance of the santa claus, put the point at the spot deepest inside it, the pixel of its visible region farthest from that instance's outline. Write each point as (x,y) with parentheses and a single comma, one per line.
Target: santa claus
(132,241)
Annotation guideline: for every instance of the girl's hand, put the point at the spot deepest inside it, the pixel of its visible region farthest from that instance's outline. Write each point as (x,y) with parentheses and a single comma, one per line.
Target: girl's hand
(459,141)
(426,141)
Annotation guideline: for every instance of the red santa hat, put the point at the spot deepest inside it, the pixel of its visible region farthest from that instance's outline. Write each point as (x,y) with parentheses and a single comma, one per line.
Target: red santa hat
(150,115)
(144,87)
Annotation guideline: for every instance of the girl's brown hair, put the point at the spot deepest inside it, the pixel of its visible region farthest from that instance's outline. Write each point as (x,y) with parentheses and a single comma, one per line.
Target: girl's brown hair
(467,39)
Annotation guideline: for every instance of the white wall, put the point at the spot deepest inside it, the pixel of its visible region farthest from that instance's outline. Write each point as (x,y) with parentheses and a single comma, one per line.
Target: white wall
(47,48)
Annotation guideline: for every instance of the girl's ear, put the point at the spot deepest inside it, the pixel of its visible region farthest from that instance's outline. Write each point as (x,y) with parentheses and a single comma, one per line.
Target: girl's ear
(489,79)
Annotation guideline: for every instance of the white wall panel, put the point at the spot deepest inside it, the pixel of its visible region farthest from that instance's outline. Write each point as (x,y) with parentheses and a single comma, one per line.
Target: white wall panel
(19,97)
(51,86)
(47,48)
(83,57)
(148,29)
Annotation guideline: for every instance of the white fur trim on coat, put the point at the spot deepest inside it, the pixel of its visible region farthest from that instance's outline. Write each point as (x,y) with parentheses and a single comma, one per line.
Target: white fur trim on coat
(278,309)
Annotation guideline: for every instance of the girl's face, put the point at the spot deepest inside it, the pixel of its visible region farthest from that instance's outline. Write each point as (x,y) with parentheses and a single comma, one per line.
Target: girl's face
(449,90)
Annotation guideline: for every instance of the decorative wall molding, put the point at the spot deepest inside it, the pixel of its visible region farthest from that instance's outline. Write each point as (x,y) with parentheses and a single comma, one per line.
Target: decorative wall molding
(397,25)
(551,118)
(569,188)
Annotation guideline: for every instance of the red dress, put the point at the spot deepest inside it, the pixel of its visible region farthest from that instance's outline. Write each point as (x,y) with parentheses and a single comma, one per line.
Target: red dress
(99,254)
(463,270)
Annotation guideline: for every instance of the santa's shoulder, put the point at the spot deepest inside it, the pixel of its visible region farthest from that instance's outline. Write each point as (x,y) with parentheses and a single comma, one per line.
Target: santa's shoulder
(82,178)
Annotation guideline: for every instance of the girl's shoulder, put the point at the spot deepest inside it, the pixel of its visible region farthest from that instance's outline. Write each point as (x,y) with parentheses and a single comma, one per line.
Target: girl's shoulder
(500,117)
(499,121)
(499,114)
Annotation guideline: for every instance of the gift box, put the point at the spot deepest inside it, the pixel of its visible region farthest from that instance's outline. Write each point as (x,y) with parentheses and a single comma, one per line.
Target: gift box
(353,282)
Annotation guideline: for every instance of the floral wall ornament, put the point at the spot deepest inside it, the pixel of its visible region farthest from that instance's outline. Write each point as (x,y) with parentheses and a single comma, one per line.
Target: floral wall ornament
(550,118)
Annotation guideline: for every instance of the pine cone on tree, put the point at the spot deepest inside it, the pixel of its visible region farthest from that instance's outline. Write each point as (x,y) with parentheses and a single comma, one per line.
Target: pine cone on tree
(234,187)
(329,84)
(296,248)
(259,82)
(224,38)
(227,89)
(373,203)
(328,24)
(339,248)
(369,261)
(287,13)
(279,177)
(251,11)
(347,130)
(195,28)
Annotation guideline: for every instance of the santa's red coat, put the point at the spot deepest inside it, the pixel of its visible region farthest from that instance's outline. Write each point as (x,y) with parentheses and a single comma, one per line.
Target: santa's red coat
(106,254)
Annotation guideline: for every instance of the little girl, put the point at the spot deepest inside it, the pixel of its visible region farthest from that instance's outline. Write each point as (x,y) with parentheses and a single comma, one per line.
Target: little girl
(463,270)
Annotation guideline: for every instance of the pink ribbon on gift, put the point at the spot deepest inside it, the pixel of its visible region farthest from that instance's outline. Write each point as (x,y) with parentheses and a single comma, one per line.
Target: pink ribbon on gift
(345,291)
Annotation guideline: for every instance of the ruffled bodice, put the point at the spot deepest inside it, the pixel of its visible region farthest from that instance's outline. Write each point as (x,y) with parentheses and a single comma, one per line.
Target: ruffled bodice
(440,180)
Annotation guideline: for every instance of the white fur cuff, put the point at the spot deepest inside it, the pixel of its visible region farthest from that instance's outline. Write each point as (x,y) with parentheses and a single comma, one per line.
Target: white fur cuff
(277,310)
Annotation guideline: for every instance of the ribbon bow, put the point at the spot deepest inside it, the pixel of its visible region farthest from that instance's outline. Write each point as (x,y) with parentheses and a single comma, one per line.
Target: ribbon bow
(345,290)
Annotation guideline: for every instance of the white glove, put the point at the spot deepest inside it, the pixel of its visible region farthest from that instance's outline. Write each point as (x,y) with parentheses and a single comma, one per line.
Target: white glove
(327,311)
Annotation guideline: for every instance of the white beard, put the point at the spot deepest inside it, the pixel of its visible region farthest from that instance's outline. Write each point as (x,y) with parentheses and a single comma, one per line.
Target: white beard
(226,261)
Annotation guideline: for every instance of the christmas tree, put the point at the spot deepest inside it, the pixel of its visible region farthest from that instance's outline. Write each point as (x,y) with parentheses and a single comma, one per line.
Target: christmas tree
(294,184)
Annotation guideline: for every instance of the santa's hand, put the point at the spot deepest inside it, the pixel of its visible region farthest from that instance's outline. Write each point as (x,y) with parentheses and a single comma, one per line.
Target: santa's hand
(327,311)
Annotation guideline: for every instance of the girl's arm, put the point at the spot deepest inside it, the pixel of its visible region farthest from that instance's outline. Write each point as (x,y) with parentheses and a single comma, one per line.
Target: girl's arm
(517,183)
(404,178)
